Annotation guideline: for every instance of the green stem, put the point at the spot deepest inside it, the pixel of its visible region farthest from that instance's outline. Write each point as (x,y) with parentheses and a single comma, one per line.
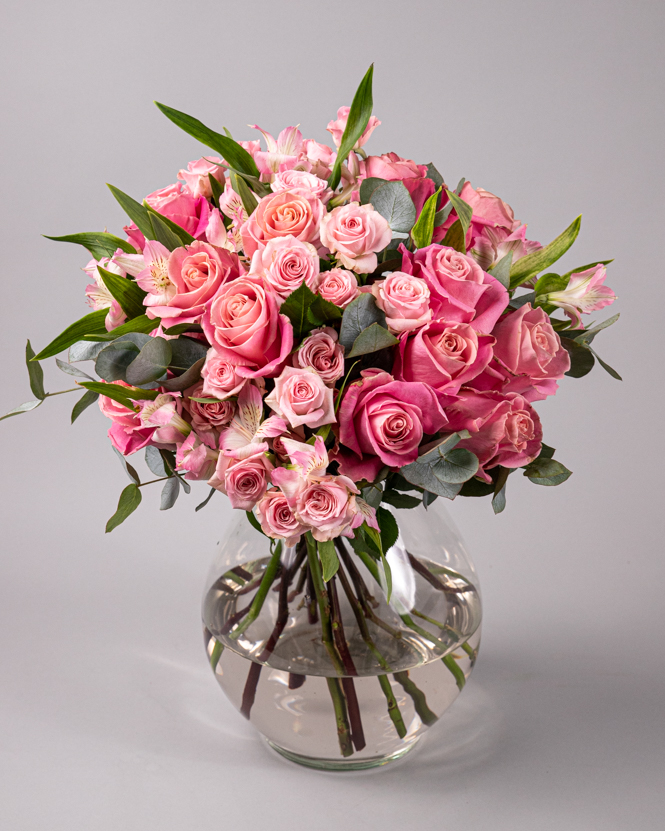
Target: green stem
(424,633)
(323,603)
(62,392)
(216,654)
(419,701)
(152,481)
(393,708)
(360,619)
(262,592)
(453,666)
(339,705)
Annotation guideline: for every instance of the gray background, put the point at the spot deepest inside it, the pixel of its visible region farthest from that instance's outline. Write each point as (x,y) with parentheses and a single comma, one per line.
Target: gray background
(109,716)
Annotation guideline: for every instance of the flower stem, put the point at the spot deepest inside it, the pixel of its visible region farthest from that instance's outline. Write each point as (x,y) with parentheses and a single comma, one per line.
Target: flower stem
(339,705)
(260,596)
(419,701)
(338,629)
(457,671)
(353,708)
(249,693)
(62,392)
(216,654)
(360,619)
(323,603)
(421,569)
(393,708)
(312,611)
(152,481)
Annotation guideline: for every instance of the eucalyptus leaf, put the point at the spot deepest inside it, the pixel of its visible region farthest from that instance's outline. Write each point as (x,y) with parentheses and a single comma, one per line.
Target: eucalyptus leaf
(296,307)
(428,498)
(72,370)
(373,494)
(129,501)
(129,470)
(368,186)
(606,367)
(153,459)
(501,270)
(393,201)
(499,497)
(358,119)
(170,493)
(187,379)
(476,487)
(444,446)
(547,472)
(84,350)
(35,373)
(434,175)
(358,315)
(423,230)
(185,352)
(97,243)
(539,260)
(22,408)
(135,211)
(372,339)
(329,559)
(112,362)
(151,362)
(87,399)
(581,358)
(457,466)
(91,323)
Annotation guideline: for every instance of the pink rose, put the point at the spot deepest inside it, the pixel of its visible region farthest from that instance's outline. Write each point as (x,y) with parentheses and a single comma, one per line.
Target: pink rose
(196,177)
(505,429)
(189,212)
(339,286)
(279,448)
(585,293)
(301,397)
(336,128)
(354,233)
(244,481)
(244,324)
(207,418)
(289,213)
(321,351)
(196,272)
(285,262)
(393,168)
(382,422)
(327,505)
(127,433)
(461,291)
(405,301)
(529,356)
(220,377)
(277,518)
(443,355)
(196,458)
(300,180)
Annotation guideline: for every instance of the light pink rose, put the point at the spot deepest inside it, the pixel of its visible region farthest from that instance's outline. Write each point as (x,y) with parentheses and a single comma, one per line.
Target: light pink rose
(393,168)
(336,128)
(195,272)
(405,301)
(220,377)
(189,212)
(443,355)
(195,457)
(289,213)
(339,286)
(300,180)
(322,352)
(277,518)
(355,233)
(244,481)
(301,397)
(243,323)
(327,506)
(505,429)
(99,297)
(529,357)
(585,293)
(128,434)
(196,177)
(279,448)
(207,418)
(285,262)
(382,422)
(461,291)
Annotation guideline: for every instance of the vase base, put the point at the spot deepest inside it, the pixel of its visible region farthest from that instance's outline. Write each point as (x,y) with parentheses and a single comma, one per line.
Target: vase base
(342,764)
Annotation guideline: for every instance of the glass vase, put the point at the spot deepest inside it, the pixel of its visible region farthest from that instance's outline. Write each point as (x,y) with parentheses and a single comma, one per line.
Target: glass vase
(335,675)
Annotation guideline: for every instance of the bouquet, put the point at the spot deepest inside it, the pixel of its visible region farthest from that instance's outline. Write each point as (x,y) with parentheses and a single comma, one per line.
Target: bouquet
(323,335)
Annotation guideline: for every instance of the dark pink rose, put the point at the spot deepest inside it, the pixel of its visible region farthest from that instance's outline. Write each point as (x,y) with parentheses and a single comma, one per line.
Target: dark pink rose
(461,291)
(443,355)
(382,422)
(529,357)
(177,204)
(207,418)
(505,429)
(244,325)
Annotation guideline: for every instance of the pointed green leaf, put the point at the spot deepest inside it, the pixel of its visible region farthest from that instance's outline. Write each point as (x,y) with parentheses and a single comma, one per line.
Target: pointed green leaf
(606,367)
(72,370)
(217,189)
(329,559)
(143,325)
(135,211)
(463,210)
(35,373)
(129,470)
(22,408)
(83,403)
(499,498)
(295,307)
(129,501)
(92,323)
(587,266)
(550,282)
(128,294)
(123,395)
(455,237)
(359,115)
(585,338)
(162,233)
(98,244)
(581,358)
(372,339)
(323,311)
(501,271)
(184,236)
(207,499)
(538,261)
(428,498)
(253,521)
(170,493)
(359,315)
(247,198)
(423,230)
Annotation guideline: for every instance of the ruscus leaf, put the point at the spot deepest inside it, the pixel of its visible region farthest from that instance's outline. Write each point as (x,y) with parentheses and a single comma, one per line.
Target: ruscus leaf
(538,261)
(97,243)
(35,373)
(92,323)
(358,119)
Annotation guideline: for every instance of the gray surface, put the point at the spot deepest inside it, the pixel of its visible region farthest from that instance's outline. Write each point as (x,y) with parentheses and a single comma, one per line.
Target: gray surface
(109,716)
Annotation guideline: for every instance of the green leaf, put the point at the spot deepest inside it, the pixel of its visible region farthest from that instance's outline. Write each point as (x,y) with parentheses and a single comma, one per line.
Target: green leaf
(187,379)
(499,498)
(373,495)
(428,498)
(162,233)
(444,446)
(522,300)
(323,311)
(123,395)
(181,328)
(455,237)
(457,466)
(129,501)
(129,470)
(400,500)
(476,487)
(501,271)
(389,528)
(248,199)
(329,559)
(98,244)
(128,294)
(398,482)
(587,337)
(151,362)
(358,315)
(423,230)
(550,282)
(217,189)
(372,339)
(585,267)
(434,175)
(72,370)
(581,358)
(184,236)
(185,352)
(253,521)
(295,307)
(606,367)
(546,452)
(35,373)
(547,472)
(359,115)
(228,149)
(84,350)
(92,323)
(153,458)
(463,210)
(113,360)
(367,188)
(170,493)
(207,499)
(143,325)
(22,408)
(538,261)
(135,211)
(86,400)
(393,201)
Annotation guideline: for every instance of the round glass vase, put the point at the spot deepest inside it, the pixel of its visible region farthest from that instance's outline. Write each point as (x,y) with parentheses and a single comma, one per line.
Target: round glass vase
(335,675)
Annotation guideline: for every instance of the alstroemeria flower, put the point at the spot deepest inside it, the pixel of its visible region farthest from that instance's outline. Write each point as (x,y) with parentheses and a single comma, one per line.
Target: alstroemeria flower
(163,414)
(155,276)
(246,434)
(584,293)
(282,153)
